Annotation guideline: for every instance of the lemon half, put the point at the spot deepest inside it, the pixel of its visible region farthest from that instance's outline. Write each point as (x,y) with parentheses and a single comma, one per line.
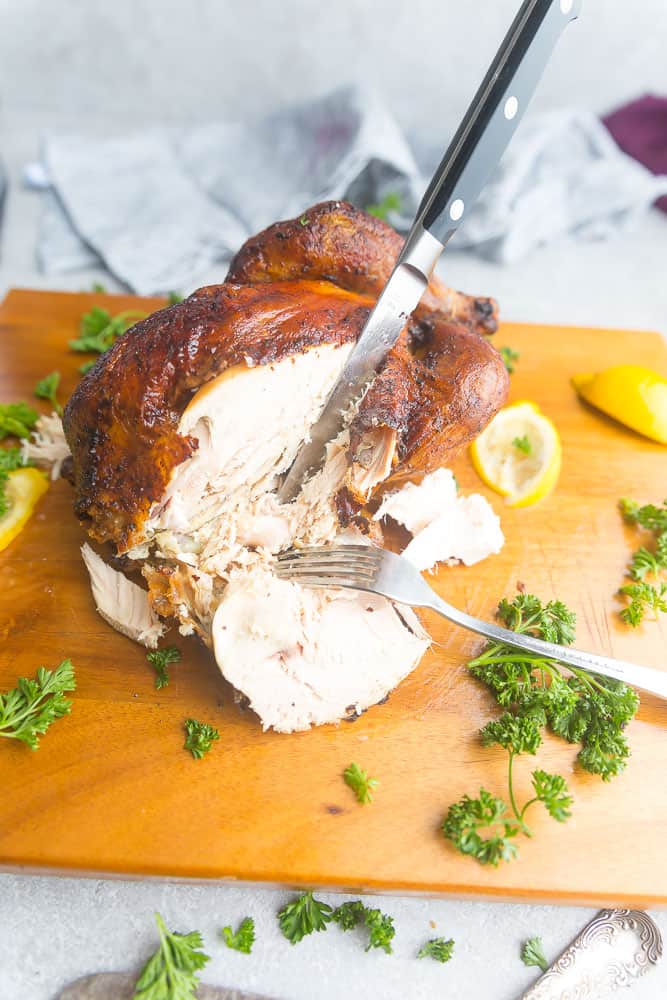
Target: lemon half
(633,395)
(23,490)
(519,454)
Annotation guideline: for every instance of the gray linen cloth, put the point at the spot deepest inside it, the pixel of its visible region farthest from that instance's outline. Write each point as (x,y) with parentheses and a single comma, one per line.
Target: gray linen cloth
(161,207)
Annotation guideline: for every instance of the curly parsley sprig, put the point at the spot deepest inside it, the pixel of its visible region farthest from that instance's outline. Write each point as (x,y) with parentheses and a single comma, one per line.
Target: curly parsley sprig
(303,916)
(160,659)
(358,780)
(199,737)
(535,693)
(243,939)
(438,949)
(170,974)
(646,595)
(380,925)
(27,711)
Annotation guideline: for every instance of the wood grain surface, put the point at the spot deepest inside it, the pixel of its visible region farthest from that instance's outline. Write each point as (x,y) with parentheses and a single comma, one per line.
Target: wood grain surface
(112,791)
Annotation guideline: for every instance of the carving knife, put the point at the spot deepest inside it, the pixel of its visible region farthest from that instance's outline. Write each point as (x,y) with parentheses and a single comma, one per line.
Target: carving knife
(477,146)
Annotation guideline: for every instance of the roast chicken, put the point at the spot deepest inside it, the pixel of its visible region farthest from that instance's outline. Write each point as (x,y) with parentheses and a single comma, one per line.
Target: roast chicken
(181,432)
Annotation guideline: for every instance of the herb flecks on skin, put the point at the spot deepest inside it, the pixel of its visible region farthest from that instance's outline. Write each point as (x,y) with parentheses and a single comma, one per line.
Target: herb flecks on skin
(199,737)
(160,660)
(17,420)
(648,567)
(438,949)
(358,780)
(533,955)
(27,711)
(392,202)
(509,357)
(47,388)
(243,939)
(303,916)
(170,973)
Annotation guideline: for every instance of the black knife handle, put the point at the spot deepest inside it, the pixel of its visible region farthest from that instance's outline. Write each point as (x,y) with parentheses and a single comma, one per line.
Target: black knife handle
(494,114)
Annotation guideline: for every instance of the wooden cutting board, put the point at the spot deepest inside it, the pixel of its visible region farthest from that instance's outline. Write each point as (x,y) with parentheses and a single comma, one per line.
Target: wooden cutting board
(112,791)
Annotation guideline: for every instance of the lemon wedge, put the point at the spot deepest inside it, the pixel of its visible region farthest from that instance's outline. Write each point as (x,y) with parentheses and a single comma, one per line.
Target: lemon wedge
(23,489)
(519,454)
(635,396)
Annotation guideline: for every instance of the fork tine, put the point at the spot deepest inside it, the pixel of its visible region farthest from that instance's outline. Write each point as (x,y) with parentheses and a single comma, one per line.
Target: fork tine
(328,556)
(317,569)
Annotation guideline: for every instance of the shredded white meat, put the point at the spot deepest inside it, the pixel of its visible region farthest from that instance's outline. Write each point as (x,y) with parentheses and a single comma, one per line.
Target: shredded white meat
(46,445)
(445,526)
(122,603)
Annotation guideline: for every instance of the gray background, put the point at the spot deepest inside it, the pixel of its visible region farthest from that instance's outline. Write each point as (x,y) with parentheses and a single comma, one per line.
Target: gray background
(95,67)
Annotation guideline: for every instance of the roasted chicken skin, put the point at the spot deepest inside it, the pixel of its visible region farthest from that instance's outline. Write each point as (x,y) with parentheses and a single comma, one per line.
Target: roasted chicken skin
(334,241)
(299,285)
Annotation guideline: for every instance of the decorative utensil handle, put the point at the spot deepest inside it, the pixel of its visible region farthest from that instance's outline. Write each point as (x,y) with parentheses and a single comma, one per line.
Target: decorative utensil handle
(494,114)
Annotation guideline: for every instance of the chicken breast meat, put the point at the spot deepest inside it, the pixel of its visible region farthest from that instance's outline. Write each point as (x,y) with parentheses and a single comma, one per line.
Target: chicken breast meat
(180,434)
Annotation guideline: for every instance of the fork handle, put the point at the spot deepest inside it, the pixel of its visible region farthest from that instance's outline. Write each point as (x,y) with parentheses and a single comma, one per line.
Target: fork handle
(644,678)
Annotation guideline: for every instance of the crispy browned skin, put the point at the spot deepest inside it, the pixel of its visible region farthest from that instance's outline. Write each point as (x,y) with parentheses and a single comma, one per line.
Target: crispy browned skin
(441,384)
(337,242)
(121,422)
(439,387)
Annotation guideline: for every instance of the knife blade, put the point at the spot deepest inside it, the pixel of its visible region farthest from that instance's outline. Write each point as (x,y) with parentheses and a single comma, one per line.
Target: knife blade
(479,142)
(398,299)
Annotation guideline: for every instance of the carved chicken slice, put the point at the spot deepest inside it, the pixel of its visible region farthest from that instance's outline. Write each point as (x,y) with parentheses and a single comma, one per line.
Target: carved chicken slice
(180,433)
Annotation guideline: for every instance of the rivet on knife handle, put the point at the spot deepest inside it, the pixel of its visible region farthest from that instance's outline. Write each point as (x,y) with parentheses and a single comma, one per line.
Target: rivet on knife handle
(476,148)
(495,112)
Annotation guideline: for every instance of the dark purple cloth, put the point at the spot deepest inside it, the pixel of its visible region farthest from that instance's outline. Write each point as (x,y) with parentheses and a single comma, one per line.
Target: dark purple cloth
(640,129)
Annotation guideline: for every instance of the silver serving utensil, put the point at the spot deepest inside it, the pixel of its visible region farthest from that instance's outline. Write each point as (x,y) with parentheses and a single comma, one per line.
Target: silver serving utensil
(377,571)
(614,949)
(479,143)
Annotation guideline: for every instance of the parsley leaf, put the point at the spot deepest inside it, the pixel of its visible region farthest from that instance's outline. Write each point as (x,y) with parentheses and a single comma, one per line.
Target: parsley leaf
(380,926)
(99,330)
(392,202)
(27,711)
(552,791)
(535,692)
(303,916)
(199,737)
(437,948)
(243,939)
(509,357)
(467,817)
(47,387)
(10,459)
(173,298)
(532,954)
(17,419)
(523,444)
(304,220)
(646,596)
(360,783)
(170,973)
(160,659)
(349,915)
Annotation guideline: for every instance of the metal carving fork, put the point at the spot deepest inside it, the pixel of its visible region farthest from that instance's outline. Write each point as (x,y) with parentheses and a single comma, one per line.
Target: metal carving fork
(377,571)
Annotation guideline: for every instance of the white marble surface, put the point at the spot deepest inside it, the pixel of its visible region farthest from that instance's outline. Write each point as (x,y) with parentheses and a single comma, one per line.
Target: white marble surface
(94,66)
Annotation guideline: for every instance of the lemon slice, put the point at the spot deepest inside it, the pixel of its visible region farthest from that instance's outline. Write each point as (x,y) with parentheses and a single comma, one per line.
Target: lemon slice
(635,396)
(518,455)
(23,489)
